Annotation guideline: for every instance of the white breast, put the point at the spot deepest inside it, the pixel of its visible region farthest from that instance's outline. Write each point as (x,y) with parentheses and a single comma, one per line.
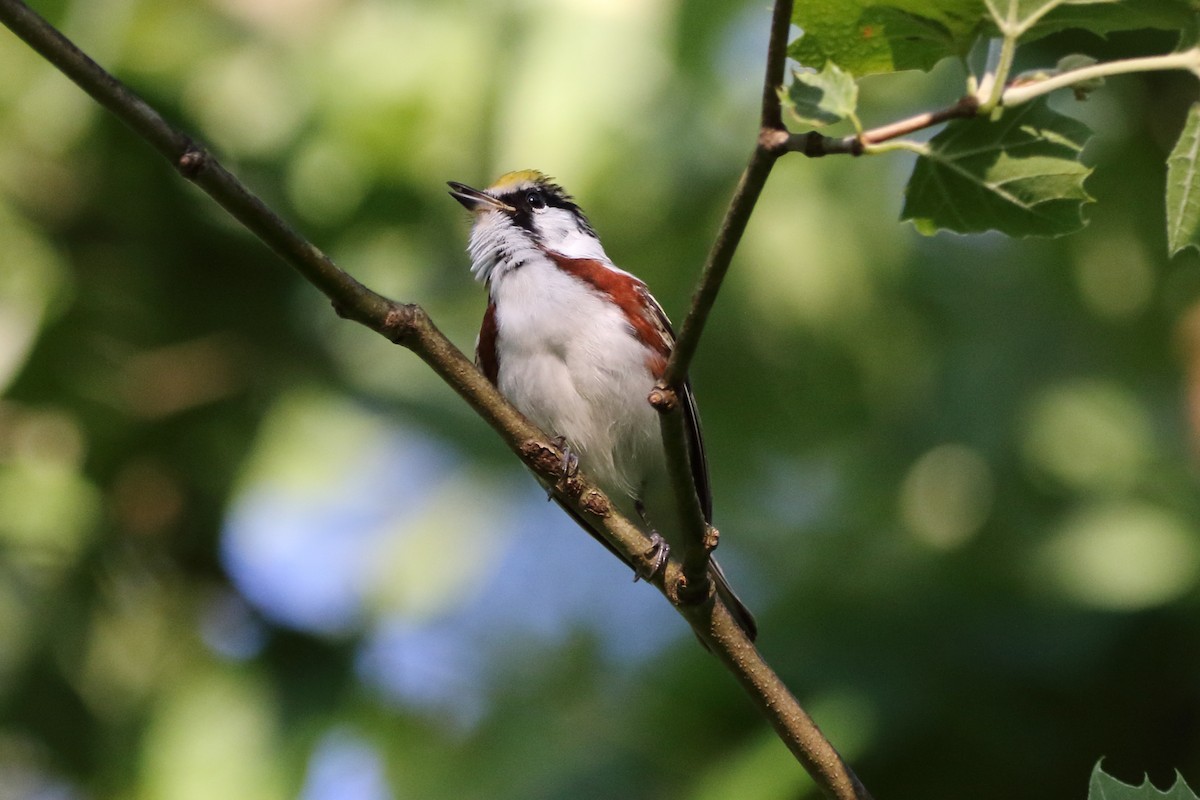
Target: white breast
(569,361)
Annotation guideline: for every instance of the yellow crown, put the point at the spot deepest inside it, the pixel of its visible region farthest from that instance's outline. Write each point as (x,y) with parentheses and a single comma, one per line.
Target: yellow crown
(511,179)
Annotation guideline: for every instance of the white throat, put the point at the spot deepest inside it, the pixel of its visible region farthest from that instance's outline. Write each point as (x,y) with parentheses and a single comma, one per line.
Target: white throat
(498,246)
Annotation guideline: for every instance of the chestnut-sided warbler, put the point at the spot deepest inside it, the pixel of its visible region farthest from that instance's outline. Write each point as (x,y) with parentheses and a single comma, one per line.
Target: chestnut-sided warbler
(577,344)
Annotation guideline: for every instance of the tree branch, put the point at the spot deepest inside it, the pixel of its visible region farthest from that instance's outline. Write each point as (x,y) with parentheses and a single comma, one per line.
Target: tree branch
(816,145)
(697,544)
(195,164)
(410,326)
(771,113)
(1024,92)
(725,639)
(771,140)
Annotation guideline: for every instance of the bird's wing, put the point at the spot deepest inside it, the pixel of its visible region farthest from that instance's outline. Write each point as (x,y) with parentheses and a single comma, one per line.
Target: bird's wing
(653,328)
(486,356)
(691,416)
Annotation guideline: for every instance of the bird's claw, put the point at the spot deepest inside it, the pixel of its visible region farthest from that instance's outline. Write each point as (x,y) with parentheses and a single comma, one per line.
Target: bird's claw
(570,463)
(655,557)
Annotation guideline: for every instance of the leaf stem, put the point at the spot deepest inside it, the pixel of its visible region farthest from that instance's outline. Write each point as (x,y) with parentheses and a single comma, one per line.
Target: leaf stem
(988,79)
(1024,25)
(1186,59)
(920,148)
(992,87)
(870,142)
(967,106)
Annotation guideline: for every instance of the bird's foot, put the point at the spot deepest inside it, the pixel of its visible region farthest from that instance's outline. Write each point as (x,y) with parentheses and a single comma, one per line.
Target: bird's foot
(655,558)
(570,463)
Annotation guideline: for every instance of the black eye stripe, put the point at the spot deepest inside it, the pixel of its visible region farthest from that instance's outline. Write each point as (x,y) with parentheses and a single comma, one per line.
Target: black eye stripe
(536,198)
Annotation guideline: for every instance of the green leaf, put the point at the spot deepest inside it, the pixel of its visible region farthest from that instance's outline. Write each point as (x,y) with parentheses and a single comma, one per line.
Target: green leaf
(1123,15)
(1183,187)
(1019,175)
(872,36)
(1106,787)
(822,98)
(1020,13)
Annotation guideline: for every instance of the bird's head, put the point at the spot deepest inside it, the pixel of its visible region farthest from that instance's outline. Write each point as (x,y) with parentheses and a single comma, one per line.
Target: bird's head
(521,215)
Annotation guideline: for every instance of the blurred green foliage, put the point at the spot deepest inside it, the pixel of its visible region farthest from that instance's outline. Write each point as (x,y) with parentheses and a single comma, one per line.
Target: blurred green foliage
(956,477)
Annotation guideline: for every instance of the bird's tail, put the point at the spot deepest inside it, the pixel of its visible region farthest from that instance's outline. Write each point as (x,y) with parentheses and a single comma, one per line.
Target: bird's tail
(737,608)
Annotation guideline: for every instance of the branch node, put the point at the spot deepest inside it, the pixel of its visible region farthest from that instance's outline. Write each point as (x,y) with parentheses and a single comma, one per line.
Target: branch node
(712,537)
(595,503)
(818,145)
(541,456)
(773,141)
(967,106)
(546,459)
(195,159)
(687,594)
(815,145)
(664,399)
(399,323)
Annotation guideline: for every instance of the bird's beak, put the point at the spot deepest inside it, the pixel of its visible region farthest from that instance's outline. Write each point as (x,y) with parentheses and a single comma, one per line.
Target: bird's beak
(475,200)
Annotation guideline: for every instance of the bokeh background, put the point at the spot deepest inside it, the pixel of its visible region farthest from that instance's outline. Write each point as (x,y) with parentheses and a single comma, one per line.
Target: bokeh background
(250,550)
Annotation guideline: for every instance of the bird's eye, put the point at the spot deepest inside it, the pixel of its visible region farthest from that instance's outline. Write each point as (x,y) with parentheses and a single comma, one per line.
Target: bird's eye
(535,200)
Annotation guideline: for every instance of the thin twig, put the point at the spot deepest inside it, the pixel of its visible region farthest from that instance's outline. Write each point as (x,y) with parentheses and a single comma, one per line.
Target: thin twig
(193,162)
(693,549)
(771,113)
(694,546)
(816,145)
(967,106)
(410,326)
(722,635)
(1024,92)
(771,139)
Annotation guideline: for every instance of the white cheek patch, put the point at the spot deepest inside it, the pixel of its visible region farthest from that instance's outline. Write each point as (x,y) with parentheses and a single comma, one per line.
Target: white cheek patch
(560,231)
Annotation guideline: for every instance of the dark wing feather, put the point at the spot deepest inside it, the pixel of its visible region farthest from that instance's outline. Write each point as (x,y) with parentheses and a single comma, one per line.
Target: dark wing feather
(486,357)
(699,463)
(691,418)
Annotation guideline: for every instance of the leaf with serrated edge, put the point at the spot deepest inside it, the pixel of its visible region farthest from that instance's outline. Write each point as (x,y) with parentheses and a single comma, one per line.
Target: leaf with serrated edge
(1105,787)
(1183,187)
(873,36)
(822,98)
(1019,175)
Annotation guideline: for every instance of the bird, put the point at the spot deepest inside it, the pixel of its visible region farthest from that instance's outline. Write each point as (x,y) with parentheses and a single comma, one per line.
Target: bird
(576,344)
